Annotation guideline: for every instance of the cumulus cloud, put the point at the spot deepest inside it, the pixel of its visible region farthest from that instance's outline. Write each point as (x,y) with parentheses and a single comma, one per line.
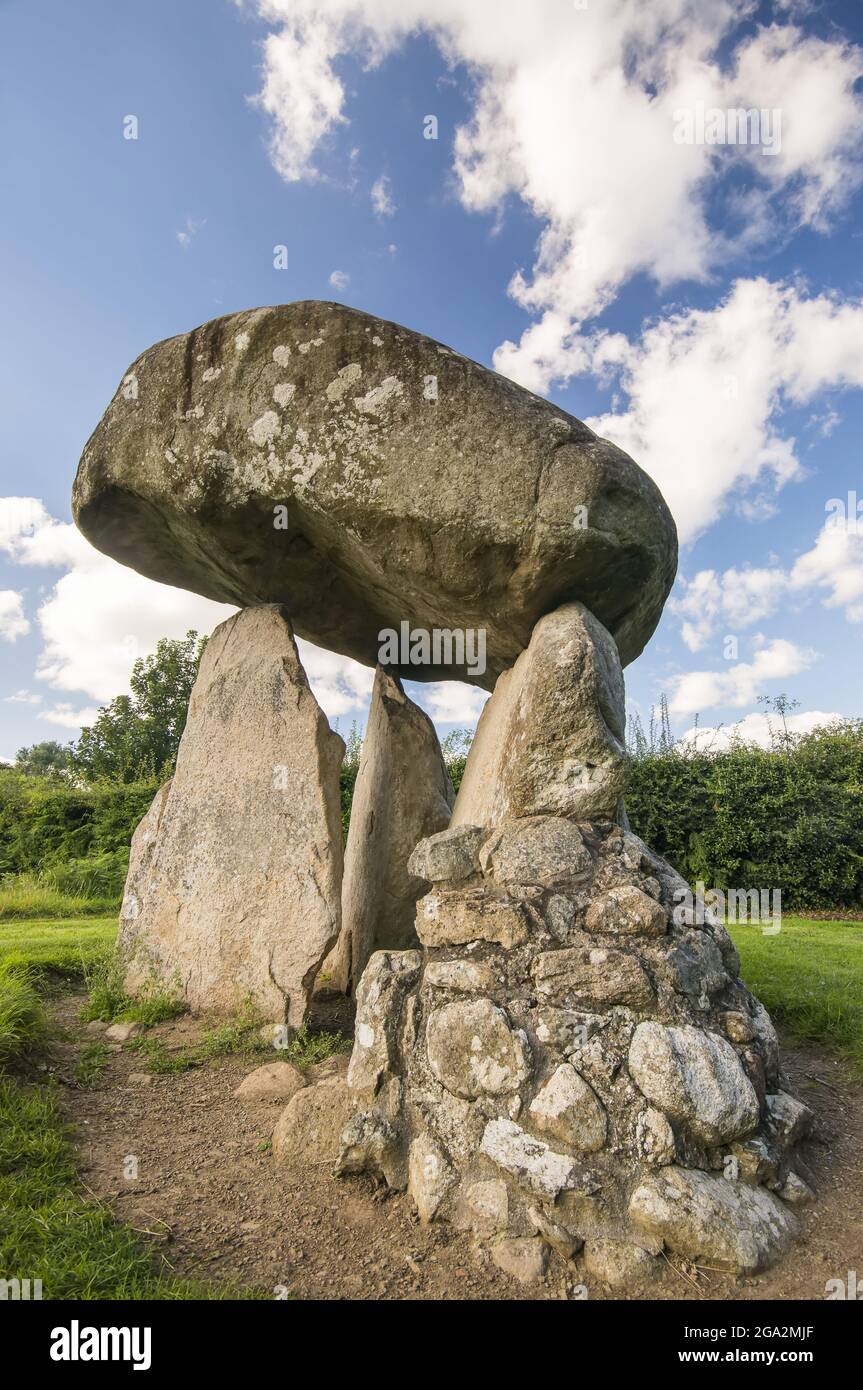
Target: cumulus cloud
(22,697)
(341,686)
(301,92)
(339,279)
(738,598)
(100,617)
(451,702)
(705,389)
(760,729)
(834,564)
(13,624)
(742,682)
(67,717)
(573,112)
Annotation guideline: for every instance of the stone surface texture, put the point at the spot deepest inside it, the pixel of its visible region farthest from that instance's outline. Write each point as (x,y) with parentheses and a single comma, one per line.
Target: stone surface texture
(560,1091)
(418,485)
(550,741)
(234,881)
(402,794)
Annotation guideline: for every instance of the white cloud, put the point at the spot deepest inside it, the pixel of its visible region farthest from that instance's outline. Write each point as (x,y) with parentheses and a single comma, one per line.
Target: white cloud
(99,617)
(381,195)
(341,686)
(188,233)
(29,536)
(834,563)
(22,697)
(705,388)
(573,112)
(741,683)
(737,598)
(760,729)
(13,624)
(67,717)
(339,279)
(19,517)
(451,702)
(301,92)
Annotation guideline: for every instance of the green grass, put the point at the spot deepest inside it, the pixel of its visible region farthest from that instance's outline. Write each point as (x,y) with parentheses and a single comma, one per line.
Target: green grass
(810,979)
(305,1048)
(107,1000)
(49,1228)
(240,1035)
(26,897)
(235,1035)
(23,1025)
(46,946)
(92,1062)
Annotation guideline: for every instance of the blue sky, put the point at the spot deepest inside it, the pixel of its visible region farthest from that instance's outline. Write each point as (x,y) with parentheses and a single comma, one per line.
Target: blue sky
(699,305)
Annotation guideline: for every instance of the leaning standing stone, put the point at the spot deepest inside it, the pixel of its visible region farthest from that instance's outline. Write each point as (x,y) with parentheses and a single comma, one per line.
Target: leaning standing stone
(403,794)
(234,881)
(550,739)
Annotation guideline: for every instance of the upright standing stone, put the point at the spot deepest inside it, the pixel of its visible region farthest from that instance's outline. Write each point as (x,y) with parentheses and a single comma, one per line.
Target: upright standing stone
(550,739)
(402,795)
(235,875)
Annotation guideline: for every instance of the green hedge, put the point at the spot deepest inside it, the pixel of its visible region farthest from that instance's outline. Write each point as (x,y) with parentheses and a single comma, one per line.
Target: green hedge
(44,825)
(748,818)
(790,818)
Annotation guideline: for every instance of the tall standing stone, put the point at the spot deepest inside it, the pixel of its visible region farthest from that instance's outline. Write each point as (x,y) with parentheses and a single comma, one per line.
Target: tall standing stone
(235,876)
(551,738)
(403,794)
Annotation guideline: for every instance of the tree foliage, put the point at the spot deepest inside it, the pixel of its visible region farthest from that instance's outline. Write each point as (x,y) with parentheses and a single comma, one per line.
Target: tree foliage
(48,759)
(135,738)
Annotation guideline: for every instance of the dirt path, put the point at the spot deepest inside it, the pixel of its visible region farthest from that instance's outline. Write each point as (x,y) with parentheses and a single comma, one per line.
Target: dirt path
(211,1197)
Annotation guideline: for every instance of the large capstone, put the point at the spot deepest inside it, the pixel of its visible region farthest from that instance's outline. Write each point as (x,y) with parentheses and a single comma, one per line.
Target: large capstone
(234,881)
(402,794)
(550,741)
(367,476)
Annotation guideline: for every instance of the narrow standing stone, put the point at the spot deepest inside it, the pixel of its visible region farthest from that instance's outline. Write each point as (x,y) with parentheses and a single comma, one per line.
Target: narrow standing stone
(402,795)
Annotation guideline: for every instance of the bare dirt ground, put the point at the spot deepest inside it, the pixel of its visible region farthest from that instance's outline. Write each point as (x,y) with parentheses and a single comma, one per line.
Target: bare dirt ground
(209,1195)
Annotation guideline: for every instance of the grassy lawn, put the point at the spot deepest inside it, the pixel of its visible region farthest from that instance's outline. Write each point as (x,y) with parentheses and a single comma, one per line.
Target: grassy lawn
(49,1228)
(810,978)
(65,946)
(27,899)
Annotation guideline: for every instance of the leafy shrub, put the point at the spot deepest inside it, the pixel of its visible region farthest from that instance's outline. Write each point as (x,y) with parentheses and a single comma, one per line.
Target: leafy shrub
(790,817)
